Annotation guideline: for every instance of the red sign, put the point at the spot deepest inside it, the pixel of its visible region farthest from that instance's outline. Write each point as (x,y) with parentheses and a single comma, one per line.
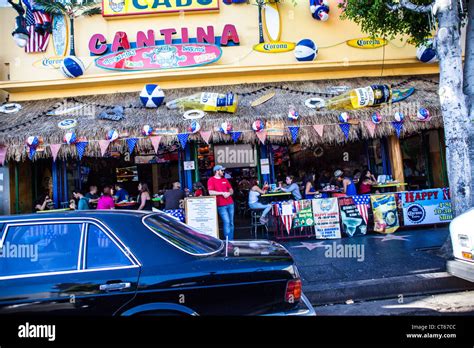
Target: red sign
(161,57)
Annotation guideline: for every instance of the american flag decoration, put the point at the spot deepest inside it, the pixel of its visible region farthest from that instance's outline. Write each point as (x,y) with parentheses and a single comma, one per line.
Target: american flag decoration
(362,203)
(131,142)
(345,127)
(294,130)
(398,127)
(236,136)
(39,39)
(81,147)
(183,139)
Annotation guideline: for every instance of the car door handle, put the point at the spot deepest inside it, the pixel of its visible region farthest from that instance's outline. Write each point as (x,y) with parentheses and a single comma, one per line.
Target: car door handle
(114,286)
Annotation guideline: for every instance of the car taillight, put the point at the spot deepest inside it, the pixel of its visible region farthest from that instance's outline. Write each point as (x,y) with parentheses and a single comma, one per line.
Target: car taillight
(293,291)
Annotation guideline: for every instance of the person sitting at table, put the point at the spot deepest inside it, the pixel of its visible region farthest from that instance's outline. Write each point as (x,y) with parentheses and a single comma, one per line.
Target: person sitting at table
(310,186)
(367,180)
(144,197)
(92,195)
(44,203)
(356,175)
(199,189)
(106,201)
(348,186)
(292,187)
(121,194)
(254,204)
(172,198)
(82,202)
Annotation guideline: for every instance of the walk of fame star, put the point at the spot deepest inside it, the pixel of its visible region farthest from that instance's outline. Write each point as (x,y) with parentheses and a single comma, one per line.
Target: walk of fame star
(310,246)
(390,237)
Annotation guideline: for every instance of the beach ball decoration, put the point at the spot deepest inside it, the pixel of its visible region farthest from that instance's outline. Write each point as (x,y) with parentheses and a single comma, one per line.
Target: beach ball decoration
(70,138)
(194,127)
(32,142)
(399,117)
(152,96)
(423,114)
(426,52)
(306,50)
(72,67)
(147,130)
(258,126)
(344,117)
(376,117)
(319,9)
(292,113)
(226,128)
(112,135)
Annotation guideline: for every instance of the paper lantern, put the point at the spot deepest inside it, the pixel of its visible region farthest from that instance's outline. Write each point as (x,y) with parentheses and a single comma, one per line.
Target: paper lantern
(70,138)
(72,67)
(147,130)
(426,53)
(319,9)
(152,96)
(344,117)
(112,135)
(194,127)
(226,128)
(423,114)
(399,117)
(32,142)
(376,117)
(306,50)
(258,126)
(292,113)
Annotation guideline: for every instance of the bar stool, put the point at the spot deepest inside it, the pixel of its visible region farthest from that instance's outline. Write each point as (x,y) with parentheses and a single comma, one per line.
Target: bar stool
(256,224)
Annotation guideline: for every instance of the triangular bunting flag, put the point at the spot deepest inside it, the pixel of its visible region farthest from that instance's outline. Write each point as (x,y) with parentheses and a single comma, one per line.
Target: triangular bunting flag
(103,144)
(183,139)
(54,150)
(294,130)
(345,127)
(155,142)
(31,152)
(370,127)
(3,154)
(131,142)
(81,147)
(398,127)
(236,136)
(319,128)
(206,136)
(262,136)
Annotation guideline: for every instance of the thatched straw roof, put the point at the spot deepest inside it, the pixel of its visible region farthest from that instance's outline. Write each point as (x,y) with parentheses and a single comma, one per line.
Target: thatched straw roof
(32,119)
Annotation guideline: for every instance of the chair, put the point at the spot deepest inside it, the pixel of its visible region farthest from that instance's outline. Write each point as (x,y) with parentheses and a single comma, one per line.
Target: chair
(256,224)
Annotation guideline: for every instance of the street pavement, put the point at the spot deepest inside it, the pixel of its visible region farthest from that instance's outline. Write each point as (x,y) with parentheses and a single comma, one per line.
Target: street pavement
(457,303)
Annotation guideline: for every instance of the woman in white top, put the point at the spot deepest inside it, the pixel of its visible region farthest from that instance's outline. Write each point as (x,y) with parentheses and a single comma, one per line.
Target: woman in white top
(254,193)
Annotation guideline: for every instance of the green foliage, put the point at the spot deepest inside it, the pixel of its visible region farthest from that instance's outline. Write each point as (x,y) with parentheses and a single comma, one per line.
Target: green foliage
(71,8)
(376,19)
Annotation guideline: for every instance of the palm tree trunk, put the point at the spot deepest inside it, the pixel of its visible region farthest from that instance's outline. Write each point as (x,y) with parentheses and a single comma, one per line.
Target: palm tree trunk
(72,48)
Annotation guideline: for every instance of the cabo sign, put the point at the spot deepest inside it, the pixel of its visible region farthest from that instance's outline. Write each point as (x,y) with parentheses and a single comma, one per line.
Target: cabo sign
(160,57)
(118,8)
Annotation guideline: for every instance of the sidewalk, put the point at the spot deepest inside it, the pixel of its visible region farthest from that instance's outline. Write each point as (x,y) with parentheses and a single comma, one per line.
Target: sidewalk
(375,266)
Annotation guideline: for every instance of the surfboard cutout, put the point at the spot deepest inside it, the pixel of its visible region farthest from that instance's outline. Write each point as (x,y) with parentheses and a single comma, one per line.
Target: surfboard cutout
(401,94)
(60,35)
(161,57)
(272,21)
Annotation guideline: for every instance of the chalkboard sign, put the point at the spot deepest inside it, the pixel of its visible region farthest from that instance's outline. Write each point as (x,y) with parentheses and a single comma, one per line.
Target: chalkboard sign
(351,220)
(201,214)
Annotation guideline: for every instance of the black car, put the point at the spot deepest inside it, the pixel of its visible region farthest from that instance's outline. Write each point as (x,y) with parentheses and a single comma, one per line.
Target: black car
(133,263)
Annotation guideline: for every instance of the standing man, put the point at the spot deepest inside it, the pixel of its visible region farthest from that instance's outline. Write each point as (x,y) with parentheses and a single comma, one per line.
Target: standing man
(220,187)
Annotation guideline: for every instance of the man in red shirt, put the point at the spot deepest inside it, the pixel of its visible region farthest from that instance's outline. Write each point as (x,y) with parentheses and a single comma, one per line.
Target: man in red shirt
(220,187)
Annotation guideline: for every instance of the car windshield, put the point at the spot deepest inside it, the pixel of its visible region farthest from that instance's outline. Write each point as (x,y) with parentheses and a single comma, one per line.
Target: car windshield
(182,236)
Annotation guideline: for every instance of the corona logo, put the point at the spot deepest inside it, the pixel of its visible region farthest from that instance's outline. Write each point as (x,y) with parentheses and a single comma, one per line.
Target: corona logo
(367,43)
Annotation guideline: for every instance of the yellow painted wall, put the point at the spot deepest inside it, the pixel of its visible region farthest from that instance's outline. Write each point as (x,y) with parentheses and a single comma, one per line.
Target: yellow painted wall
(237,65)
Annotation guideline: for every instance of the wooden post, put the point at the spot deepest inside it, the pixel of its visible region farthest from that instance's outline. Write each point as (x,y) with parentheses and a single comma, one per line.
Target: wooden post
(155,175)
(396,160)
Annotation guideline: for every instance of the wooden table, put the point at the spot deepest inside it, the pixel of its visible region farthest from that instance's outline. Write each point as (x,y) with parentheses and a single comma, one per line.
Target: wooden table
(270,197)
(390,186)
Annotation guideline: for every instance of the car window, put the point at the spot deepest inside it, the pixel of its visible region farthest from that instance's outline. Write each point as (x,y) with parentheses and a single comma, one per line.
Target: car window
(182,236)
(40,248)
(102,251)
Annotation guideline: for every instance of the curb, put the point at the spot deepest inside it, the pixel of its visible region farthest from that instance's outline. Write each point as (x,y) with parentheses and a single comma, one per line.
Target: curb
(382,288)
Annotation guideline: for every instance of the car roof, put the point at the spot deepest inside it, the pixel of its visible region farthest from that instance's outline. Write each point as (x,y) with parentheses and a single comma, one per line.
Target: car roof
(97,214)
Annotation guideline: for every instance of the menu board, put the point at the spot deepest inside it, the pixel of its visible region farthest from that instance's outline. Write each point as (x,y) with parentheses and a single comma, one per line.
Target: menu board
(326,218)
(304,214)
(426,207)
(201,214)
(352,222)
(385,213)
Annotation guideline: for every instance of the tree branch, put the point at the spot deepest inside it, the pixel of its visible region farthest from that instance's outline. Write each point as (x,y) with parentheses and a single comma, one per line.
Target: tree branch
(410,6)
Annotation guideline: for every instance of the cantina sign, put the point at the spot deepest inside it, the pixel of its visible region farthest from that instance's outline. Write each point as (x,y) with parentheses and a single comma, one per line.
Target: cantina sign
(118,8)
